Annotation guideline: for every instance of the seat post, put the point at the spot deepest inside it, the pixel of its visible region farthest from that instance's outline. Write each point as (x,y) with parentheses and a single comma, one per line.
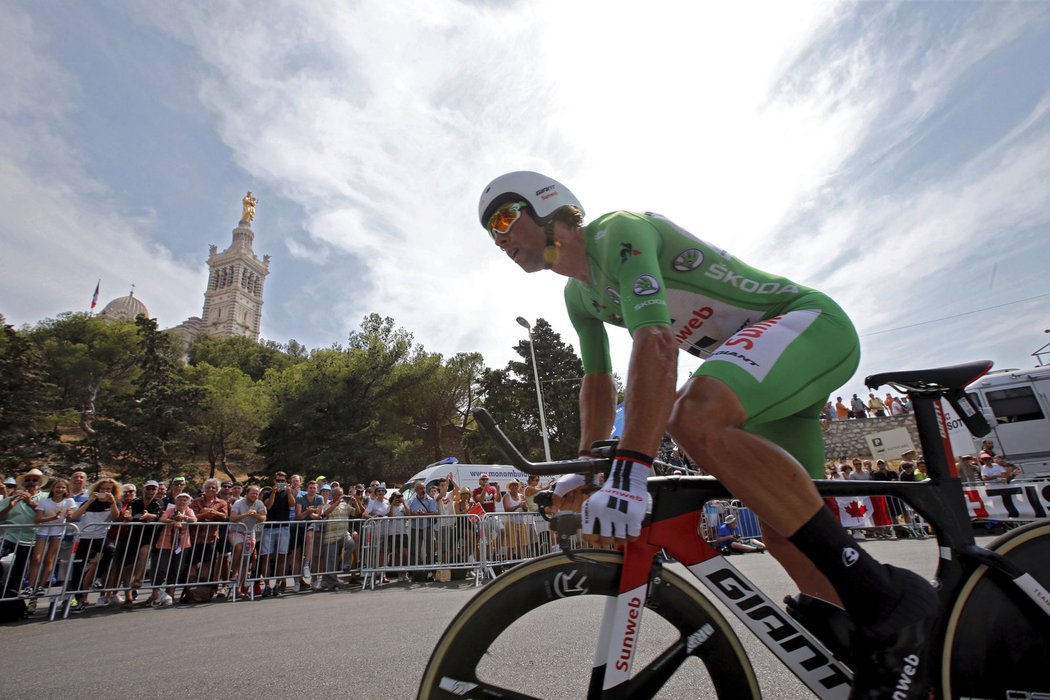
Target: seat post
(933,435)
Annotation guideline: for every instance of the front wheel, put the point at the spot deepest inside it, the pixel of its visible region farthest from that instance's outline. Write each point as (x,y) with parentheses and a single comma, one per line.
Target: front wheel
(533,631)
(996,640)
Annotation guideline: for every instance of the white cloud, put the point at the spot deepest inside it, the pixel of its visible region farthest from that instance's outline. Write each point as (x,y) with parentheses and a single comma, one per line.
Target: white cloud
(770,129)
(61,229)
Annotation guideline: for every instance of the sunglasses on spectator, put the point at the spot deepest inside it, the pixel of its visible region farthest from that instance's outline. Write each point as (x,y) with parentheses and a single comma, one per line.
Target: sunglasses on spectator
(151,488)
(30,480)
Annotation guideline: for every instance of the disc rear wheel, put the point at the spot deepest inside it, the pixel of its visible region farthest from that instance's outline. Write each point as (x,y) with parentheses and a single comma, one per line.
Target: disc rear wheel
(997,642)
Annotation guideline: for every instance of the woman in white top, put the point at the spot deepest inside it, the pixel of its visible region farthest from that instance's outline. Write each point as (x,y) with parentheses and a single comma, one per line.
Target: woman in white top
(54,509)
(515,529)
(96,513)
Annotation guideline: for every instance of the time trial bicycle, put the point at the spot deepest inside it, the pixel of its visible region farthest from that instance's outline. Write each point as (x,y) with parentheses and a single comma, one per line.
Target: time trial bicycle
(991,637)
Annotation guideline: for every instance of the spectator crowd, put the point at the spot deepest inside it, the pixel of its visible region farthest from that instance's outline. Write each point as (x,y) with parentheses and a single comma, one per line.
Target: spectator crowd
(138,547)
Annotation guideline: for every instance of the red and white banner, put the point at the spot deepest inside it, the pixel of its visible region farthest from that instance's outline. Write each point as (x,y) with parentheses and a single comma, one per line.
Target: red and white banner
(1028,500)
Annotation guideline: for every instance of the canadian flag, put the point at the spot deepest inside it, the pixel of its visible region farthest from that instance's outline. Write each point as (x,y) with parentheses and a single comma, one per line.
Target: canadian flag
(855,511)
(476,511)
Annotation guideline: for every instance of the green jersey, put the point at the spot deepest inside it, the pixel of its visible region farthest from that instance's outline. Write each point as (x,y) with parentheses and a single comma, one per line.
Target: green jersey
(645,270)
(781,347)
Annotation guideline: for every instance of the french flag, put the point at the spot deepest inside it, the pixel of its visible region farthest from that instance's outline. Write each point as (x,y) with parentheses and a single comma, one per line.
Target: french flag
(94,298)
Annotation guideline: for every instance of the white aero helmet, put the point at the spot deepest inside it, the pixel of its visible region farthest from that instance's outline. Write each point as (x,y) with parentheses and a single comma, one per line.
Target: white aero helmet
(544,194)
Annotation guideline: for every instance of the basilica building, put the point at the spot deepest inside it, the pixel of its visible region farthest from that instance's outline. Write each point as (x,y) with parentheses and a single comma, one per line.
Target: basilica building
(233,299)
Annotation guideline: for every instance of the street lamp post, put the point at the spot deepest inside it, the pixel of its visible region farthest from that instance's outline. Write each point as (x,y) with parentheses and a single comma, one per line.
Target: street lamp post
(539,394)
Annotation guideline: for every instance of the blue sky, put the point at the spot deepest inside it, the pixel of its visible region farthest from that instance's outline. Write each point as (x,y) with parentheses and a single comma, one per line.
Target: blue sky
(892,155)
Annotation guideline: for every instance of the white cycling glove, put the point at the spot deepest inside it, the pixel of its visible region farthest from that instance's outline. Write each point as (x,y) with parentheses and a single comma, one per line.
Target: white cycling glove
(618,508)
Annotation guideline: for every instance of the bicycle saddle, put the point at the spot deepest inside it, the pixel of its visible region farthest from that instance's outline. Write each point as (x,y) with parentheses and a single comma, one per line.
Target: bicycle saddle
(939,380)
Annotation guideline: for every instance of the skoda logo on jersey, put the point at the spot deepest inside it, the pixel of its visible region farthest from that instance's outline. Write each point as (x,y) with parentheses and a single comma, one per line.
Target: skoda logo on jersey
(688,260)
(614,296)
(645,286)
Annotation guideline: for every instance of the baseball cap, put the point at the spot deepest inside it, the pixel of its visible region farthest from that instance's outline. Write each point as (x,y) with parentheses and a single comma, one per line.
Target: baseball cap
(151,482)
(183,495)
(730,519)
(985,455)
(321,478)
(10,481)
(326,487)
(483,476)
(179,478)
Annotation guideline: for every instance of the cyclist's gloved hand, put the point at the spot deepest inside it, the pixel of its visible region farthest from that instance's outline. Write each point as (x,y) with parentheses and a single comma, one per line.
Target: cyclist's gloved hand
(617,510)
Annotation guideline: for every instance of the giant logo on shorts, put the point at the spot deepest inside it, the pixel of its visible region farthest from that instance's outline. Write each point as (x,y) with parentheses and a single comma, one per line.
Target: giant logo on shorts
(645,285)
(688,260)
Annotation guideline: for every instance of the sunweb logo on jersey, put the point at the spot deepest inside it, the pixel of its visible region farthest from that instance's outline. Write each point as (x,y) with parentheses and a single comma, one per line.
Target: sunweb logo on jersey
(614,296)
(645,286)
(688,260)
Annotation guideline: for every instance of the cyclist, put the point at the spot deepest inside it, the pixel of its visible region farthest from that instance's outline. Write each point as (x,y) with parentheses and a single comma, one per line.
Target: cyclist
(773,350)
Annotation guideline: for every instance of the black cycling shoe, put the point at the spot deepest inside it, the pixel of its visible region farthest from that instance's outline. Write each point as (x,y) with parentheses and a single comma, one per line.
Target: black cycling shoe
(829,623)
(894,667)
(894,664)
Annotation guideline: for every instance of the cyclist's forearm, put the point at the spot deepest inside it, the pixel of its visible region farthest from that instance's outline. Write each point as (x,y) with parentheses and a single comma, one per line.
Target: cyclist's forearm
(597,408)
(650,389)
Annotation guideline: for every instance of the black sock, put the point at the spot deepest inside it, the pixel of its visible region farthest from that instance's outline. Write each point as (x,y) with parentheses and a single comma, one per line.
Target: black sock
(865,586)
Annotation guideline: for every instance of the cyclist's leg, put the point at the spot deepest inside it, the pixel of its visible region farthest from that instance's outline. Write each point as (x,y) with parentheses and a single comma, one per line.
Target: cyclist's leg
(768,372)
(802,437)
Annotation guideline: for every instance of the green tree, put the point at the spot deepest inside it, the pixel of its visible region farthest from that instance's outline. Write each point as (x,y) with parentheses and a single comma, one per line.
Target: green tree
(509,395)
(25,397)
(249,356)
(232,412)
(91,363)
(150,435)
(378,408)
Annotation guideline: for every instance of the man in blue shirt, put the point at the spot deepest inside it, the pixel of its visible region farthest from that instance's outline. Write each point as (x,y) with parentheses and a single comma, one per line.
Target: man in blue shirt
(728,540)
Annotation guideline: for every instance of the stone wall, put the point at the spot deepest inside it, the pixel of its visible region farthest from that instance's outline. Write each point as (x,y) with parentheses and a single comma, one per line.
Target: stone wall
(846,437)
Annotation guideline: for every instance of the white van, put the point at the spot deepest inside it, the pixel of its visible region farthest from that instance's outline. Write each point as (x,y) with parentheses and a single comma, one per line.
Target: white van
(468,474)
(1016,405)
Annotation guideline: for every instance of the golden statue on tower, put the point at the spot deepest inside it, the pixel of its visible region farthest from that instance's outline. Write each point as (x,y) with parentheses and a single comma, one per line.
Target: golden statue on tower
(248,204)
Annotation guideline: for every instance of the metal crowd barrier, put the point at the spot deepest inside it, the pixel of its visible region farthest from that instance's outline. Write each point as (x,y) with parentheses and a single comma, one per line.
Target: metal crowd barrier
(118,561)
(29,565)
(281,550)
(442,545)
(420,544)
(511,538)
(121,561)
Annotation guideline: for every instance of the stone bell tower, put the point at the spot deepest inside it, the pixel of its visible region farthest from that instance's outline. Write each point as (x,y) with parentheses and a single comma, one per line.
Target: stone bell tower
(234,298)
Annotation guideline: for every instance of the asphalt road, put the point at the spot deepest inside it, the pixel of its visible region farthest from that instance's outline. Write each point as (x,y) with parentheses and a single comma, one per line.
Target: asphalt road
(364,644)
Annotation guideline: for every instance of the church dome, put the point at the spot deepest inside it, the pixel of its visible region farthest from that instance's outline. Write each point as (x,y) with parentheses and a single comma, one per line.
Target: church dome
(124,309)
